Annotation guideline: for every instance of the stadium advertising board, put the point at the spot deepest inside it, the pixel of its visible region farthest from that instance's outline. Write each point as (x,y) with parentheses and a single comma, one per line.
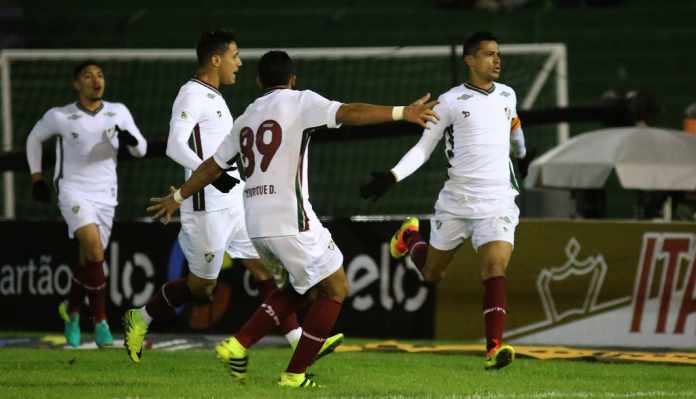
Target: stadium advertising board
(589,283)
(385,300)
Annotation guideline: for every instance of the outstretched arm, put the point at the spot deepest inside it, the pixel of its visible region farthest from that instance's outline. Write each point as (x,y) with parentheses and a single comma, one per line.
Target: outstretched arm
(164,207)
(420,112)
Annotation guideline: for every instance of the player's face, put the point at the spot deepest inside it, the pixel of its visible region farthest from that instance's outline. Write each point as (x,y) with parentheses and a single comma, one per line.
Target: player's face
(486,63)
(90,83)
(229,65)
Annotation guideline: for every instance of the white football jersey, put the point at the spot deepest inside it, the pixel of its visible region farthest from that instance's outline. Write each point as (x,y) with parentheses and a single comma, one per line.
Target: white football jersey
(200,121)
(272,139)
(476,125)
(86,149)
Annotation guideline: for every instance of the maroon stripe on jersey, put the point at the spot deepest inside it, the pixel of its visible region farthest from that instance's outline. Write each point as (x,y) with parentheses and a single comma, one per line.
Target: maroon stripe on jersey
(59,163)
(198,197)
(303,220)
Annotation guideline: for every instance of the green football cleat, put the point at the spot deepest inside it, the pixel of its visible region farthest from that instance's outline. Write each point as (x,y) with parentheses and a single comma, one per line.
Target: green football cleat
(398,247)
(234,356)
(295,380)
(102,334)
(330,345)
(499,356)
(134,329)
(72,325)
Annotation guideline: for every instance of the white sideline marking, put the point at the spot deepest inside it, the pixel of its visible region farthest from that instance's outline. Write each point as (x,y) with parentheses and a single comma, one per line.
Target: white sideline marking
(165,344)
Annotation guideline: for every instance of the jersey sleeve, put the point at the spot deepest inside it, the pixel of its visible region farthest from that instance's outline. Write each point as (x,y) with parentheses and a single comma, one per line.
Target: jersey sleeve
(317,110)
(186,113)
(226,154)
(420,153)
(46,127)
(139,149)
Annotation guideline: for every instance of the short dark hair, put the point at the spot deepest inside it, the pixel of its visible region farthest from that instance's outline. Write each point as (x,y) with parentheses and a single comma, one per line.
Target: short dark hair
(473,42)
(213,42)
(79,68)
(275,68)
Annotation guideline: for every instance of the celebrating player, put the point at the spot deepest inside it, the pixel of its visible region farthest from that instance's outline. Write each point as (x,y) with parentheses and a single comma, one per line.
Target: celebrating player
(212,220)
(479,122)
(90,132)
(272,137)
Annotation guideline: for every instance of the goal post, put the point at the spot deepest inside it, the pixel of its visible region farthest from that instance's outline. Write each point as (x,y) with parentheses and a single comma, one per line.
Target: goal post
(146,80)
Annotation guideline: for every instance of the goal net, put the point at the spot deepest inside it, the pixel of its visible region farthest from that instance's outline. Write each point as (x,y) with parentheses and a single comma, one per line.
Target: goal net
(147,81)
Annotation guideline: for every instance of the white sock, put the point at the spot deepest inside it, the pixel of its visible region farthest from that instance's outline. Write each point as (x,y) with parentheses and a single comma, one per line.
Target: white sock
(293,336)
(145,316)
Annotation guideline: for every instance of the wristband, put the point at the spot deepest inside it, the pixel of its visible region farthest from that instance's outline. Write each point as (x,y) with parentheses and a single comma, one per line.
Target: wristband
(177,196)
(398,113)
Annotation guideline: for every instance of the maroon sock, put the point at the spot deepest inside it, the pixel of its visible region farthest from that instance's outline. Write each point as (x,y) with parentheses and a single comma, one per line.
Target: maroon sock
(268,315)
(417,248)
(77,290)
(494,309)
(267,287)
(95,285)
(170,296)
(318,324)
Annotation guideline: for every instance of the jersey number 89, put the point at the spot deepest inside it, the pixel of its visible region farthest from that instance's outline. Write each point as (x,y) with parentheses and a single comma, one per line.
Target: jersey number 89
(268,138)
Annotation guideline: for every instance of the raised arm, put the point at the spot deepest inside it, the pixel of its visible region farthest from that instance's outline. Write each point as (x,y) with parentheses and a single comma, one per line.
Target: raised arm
(130,135)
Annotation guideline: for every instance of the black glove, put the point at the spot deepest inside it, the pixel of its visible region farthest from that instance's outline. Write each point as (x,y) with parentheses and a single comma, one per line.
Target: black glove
(125,137)
(379,185)
(40,191)
(523,163)
(225,183)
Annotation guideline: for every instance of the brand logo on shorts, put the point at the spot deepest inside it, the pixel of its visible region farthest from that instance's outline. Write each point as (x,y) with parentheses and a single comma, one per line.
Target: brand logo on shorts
(184,115)
(438,224)
(74,135)
(332,245)
(76,209)
(219,114)
(466,114)
(209,256)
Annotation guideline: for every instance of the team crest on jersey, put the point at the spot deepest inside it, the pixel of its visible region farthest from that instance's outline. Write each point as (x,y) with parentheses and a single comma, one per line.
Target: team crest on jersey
(184,115)
(505,93)
(219,114)
(110,114)
(210,95)
(209,256)
(74,117)
(464,97)
(74,135)
(75,209)
(508,113)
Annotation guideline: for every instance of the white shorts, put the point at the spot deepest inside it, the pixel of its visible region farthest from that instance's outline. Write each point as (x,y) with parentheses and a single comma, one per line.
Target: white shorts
(206,236)
(309,257)
(79,212)
(448,231)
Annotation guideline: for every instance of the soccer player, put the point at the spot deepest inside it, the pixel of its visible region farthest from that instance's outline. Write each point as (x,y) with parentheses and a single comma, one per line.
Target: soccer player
(271,137)
(479,122)
(90,132)
(212,220)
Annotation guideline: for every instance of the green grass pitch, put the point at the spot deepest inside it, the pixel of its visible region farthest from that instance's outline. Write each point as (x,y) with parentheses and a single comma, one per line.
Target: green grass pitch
(72,374)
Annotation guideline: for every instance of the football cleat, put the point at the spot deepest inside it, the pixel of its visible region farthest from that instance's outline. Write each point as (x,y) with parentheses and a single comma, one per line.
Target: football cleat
(134,330)
(102,334)
(499,356)
(398,246)
(234,356)
(72,325)
(297,380)
(330,345)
